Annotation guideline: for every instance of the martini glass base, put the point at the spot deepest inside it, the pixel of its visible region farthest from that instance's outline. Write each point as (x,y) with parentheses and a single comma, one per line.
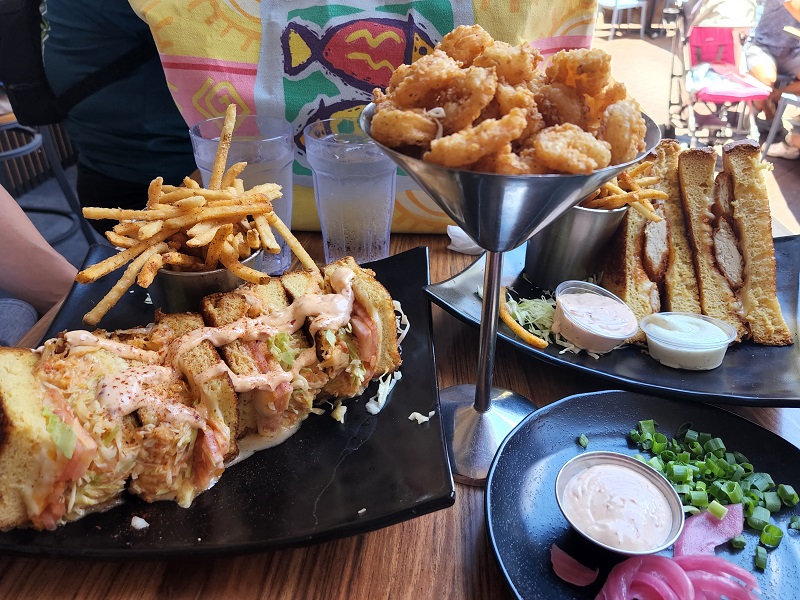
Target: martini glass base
(473,437)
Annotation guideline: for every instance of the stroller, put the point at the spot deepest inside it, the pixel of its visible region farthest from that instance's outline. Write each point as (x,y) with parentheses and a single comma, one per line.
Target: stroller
(711,97)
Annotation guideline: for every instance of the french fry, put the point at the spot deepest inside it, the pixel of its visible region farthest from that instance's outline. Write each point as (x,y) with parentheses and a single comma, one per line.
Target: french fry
(93,317)
(519,330)
(112,263)
(241,245)
(149,229)
(213,213)
(238,185)
(268,241)
(640,168)
(150,270)
(646,209)
(127,228)
(230,258)
(184,261)
(644,182)
(295,246)
(154,191)
(123,214)
(190,183)
(121,241)
(231,174)
(626,181)
(224,145)
(205,237)
(191,202)
(253,239)
(215,246)
(178,194)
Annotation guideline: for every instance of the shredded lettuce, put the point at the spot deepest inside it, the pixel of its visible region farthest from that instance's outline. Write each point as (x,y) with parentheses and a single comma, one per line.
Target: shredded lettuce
(385,384)
(63,436)
(282,347)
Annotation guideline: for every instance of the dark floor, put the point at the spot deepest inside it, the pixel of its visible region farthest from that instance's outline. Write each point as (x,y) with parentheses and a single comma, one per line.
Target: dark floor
(644,65)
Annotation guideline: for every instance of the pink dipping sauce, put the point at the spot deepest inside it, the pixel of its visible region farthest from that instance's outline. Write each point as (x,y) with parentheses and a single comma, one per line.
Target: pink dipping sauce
(593,321)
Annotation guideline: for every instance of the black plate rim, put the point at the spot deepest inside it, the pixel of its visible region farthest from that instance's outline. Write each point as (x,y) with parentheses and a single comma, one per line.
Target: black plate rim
(638,385)
(429,500)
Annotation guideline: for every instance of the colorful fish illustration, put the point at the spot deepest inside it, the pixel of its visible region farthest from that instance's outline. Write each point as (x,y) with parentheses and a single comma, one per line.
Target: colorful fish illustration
(344,109)
(362,53)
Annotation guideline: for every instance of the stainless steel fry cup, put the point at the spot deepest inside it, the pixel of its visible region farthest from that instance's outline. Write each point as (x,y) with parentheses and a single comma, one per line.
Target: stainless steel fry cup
(571,246)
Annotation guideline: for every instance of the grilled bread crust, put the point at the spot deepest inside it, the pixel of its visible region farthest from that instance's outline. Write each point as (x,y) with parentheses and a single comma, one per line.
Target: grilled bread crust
(753,225)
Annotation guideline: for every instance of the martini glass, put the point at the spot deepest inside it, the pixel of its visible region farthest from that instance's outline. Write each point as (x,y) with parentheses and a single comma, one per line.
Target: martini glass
(499,213)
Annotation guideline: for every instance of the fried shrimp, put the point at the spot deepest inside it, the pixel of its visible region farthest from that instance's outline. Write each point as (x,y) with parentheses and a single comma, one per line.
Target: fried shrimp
(423,80)
(466,42)
(569,149)
(624,129)
(508,97)
(588,71)
(560,104)
(514,64)
(469,145)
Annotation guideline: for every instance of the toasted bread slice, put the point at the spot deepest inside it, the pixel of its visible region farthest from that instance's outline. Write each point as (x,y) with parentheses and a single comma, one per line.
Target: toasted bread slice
(265,411)
(24,439)
(753,224)
(216,393)
(680,286)
(624,273)
(717,298)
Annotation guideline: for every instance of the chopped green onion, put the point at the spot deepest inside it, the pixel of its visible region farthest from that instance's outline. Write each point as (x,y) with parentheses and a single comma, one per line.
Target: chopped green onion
(794,523)
(771,536)
(634,436)
(740,458)
(715,446)
(659,443)
(691,510)
(738,542)
(733,491)
(583,440)
(772,502)
(684,430)
(759,519)
(647,426)
(761,557)
(698,499)
(787,495)
(716,509)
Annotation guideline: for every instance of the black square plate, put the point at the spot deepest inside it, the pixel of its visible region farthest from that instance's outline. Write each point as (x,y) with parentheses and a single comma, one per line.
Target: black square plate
(749,375)
(312,487)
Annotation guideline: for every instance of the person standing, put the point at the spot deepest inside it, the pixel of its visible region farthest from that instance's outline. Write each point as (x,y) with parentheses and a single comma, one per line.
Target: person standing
(128,132)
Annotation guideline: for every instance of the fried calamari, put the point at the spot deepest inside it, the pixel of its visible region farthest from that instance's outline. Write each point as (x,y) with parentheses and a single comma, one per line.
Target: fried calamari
(480,104)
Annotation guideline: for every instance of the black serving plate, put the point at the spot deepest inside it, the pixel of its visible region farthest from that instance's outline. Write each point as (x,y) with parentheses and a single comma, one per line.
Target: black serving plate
(312,487)
(524,519)
(749,375)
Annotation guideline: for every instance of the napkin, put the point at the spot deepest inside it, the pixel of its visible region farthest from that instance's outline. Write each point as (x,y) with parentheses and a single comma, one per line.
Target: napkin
(461,242)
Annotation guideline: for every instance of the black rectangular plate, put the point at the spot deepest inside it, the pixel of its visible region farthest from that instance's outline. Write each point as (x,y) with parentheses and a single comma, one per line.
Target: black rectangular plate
(749,375)
(310,488)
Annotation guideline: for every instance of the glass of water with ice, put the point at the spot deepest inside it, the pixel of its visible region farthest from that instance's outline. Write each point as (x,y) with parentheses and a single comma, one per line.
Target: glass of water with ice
(266,145)
(354,185)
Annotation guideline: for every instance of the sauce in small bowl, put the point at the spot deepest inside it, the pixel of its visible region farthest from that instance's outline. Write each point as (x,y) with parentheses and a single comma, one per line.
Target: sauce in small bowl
(592,318)
(687,341)
(619,503)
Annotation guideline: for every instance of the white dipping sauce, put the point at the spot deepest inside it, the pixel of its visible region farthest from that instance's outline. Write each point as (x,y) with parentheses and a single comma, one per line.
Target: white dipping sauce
(592,321)
(685,341)
(618,507)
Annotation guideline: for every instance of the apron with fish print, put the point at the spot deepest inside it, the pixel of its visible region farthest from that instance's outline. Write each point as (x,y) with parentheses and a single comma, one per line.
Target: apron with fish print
(306,60)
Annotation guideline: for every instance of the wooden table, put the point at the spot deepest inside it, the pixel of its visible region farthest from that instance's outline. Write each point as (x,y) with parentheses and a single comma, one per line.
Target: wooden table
(440,555)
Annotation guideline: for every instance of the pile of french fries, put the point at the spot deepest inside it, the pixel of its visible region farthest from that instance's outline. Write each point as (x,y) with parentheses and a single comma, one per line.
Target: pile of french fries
(631,188)
(191,228)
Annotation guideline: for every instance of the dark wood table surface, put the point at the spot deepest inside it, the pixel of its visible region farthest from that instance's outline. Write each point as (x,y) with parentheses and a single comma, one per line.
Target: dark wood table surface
(441,555)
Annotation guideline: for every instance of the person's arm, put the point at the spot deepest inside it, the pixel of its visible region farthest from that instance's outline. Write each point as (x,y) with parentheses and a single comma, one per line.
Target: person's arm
(793,6)
(30,269)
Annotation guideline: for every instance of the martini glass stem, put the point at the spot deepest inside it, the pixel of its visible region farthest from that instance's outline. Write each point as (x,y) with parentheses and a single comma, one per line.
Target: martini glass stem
(488,330)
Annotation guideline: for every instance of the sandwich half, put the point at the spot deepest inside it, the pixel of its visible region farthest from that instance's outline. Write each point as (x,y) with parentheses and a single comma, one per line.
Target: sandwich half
(706,203)
(753,228)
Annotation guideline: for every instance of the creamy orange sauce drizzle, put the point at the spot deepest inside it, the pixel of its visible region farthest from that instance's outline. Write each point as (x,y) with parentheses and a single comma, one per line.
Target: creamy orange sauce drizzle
(81,341)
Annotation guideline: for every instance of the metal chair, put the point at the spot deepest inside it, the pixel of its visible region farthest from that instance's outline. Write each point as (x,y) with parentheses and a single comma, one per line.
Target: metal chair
(777,122)
(617,6)
(41,139)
